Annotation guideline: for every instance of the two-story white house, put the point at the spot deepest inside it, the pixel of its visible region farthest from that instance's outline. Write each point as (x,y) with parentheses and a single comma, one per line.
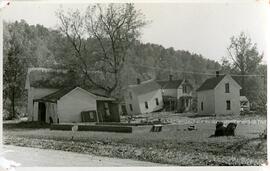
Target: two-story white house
(219,95)
(144,97)
(177,94)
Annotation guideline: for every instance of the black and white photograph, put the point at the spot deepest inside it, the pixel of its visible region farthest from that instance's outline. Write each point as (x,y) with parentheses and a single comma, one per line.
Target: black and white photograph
(134,84)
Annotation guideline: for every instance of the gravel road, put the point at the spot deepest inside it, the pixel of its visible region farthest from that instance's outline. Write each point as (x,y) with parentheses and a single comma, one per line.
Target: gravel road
(31,157)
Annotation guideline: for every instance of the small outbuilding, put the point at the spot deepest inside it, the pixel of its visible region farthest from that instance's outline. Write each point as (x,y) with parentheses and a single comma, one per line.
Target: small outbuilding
(74,104)
(53,97)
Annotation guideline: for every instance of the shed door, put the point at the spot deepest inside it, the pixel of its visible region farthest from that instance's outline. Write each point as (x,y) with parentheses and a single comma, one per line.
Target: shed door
(42,111)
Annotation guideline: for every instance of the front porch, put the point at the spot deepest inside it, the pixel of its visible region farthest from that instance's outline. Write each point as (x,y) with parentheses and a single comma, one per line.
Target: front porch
(182,104)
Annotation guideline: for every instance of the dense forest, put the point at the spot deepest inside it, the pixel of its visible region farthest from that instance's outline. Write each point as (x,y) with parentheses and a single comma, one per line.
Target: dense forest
(37,46)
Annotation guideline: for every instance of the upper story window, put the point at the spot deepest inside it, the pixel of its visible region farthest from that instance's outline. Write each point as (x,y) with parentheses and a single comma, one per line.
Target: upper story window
(157,102)
(130,95)
(184,89)
(228,105)
(227,88)
(146,105)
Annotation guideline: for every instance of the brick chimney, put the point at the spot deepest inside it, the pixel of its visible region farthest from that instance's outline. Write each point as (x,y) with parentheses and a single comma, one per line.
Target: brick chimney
(217,73)
(138,81)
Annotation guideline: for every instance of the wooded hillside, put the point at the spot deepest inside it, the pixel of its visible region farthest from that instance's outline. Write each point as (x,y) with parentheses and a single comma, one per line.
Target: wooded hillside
(37,46)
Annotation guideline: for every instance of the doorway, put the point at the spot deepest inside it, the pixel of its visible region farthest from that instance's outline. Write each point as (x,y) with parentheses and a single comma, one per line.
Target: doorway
(42,111)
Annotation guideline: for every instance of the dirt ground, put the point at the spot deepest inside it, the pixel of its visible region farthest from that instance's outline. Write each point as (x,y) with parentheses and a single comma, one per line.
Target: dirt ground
(173,145)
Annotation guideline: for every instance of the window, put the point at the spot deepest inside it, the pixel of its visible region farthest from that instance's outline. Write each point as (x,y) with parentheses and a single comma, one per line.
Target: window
(157,102)
(130,107)
(228,105)
(184,89)
(130,95)
(91,115)
(146,105)
(227,88)
(201,106)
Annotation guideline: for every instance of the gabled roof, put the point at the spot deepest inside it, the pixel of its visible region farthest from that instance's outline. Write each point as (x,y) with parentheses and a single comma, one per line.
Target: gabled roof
(58,94)
(237,79)
(210,83)
(145,87)
(170,84)
(53,97)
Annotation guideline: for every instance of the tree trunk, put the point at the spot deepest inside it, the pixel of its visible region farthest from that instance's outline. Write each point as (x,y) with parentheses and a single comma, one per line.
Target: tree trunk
(243,84)
(13,114)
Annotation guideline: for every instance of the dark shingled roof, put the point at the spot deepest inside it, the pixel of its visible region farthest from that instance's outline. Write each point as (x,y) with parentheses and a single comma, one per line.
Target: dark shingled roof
(145,87)
(58,94)
(210,83)
(170,84)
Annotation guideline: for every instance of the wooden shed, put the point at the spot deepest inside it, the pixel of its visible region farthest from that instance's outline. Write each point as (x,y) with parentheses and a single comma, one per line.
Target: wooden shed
(73,105)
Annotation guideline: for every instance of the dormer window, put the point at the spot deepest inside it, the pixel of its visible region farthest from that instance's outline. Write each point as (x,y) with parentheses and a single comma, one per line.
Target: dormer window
(227,88)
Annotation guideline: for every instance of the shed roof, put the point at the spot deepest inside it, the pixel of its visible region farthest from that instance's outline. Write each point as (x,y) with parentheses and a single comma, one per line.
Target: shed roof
(53,97)
(210,83)
(145,87)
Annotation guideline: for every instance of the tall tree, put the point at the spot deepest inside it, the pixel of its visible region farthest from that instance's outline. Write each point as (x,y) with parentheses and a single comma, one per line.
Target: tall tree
(243,57)
(112,29)
(14,69)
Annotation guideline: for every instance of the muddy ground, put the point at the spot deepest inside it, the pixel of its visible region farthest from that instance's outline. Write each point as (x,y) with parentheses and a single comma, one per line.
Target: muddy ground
(174,145)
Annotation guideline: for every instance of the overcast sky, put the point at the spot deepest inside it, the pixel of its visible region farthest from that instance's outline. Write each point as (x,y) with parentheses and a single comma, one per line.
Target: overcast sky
(202,28)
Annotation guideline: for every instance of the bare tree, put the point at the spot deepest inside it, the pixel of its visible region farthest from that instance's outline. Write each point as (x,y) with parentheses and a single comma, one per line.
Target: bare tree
(243,56)
(112,29)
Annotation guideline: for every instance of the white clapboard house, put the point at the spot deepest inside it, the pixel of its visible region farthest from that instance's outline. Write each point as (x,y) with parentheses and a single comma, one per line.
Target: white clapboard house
(219,95)
(143,97)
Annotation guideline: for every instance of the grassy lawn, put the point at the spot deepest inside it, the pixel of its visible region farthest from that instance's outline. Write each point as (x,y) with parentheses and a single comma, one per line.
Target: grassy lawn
(174,145)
